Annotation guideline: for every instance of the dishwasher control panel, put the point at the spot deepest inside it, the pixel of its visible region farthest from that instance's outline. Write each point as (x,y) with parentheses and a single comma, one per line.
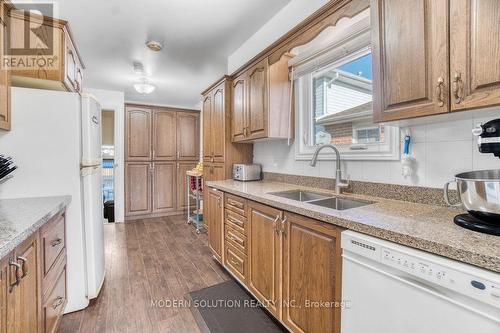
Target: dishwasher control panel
(474,282)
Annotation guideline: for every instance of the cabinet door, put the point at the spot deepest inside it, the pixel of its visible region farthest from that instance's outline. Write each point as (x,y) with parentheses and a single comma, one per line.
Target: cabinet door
(207,130)
(4,75)
(23,298)
(137,188)
(182,167)
(164,135)
(474,52)
(215,172)
(264,255)
(164,186)
(138,134)
(218,133)
(188,136)
(238,126)
(3,294)
(257,111)
(311,273)
(215,222)
(410,58)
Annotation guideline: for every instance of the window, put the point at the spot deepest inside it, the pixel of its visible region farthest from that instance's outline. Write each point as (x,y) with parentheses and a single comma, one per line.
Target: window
(333,92)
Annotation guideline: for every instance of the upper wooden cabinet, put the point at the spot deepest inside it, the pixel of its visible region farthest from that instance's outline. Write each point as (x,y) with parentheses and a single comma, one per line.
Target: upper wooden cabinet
(410,58)
(164,135)
(261,102)
(161,134)
(217,145)
(5,121)
(138,134)
(434,56)
(474,50)
(63,68)
(188,136)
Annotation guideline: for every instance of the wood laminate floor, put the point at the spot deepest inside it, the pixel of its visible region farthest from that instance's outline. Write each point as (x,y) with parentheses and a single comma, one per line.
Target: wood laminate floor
(148,260)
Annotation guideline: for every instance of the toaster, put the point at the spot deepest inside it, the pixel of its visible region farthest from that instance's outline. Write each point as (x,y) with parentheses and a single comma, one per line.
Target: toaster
(247,172)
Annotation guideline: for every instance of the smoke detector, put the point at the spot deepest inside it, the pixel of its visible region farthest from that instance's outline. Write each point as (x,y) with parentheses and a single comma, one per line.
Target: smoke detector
(154,45)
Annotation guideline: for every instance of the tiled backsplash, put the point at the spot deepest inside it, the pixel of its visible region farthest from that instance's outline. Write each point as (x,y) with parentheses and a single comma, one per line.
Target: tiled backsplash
(441,145)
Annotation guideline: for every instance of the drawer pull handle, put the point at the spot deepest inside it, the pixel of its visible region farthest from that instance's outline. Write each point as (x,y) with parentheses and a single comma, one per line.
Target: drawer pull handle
(18,267)
(236,239)
(57,302)
(56,242)
(24,268)
(232,220)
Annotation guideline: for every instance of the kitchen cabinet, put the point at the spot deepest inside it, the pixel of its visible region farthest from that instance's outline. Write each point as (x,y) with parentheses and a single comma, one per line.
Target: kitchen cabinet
(182,168)
(311,273)
(163,187)
(239,117)
(264,255)
(138,188)
(474,51)
(287,261)
(24,289)
(410,58)
(453,44)
(219,151)
(164,135)
(5,121)
(161,144)
(32,299)
(188,136)
(138,134)
(215,222)
(261,102)
(63,66)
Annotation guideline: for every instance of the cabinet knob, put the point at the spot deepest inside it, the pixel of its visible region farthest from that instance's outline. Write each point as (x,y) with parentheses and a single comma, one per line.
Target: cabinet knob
(439,91)
(457,87)
(56,242)
(57,302)
(23,265)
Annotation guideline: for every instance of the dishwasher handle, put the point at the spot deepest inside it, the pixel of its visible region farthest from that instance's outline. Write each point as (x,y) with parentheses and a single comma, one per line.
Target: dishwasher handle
(419,285)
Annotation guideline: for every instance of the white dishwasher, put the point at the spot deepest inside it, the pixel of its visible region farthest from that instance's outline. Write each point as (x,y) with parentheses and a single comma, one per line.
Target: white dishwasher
(389,288)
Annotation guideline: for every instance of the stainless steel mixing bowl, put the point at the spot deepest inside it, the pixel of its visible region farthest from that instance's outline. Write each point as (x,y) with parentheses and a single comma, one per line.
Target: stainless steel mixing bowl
(479,193)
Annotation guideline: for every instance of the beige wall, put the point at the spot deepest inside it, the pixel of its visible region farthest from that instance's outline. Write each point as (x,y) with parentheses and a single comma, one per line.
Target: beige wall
(108,128)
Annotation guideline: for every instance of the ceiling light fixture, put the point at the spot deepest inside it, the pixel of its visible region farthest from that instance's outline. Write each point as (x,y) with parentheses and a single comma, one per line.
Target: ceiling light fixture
(154,45)
(144,87)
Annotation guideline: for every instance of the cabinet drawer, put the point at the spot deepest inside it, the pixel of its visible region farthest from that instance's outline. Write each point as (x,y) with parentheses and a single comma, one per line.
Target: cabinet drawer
(54,303)
(235,261)
(236,221)
(236,204)
(235,238)
(53,242)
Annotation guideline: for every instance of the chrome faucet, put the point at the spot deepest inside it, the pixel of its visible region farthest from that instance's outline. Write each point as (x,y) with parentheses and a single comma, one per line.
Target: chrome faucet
(339,183)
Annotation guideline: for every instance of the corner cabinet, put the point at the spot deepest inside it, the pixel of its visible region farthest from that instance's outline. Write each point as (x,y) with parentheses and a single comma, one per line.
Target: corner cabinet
(261,102)
(434,56)
(287,261)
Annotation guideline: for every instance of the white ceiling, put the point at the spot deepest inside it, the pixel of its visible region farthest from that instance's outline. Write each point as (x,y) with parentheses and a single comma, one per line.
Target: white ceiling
(197,35)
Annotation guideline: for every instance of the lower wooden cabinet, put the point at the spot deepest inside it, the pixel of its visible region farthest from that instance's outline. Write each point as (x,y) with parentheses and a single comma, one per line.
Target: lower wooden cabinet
(163,187)
(138,188)
(311,275)
(24,289)
(290,263)
(264,254)
(215,208)
(32,300)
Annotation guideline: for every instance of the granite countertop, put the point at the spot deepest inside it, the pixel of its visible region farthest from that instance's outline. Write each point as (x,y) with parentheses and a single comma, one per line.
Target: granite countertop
(20,218)
(425,227)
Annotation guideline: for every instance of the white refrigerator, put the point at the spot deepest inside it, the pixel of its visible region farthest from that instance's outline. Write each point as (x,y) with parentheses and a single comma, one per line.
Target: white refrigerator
(56,143)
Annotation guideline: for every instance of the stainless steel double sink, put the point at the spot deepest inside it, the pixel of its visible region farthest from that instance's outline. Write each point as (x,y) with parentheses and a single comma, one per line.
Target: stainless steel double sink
(320,199)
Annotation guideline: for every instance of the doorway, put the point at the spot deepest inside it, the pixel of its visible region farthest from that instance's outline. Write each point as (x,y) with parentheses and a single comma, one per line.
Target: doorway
(108,164)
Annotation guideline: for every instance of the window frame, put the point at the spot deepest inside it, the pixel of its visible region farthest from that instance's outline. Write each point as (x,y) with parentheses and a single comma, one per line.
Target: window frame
(350,48)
